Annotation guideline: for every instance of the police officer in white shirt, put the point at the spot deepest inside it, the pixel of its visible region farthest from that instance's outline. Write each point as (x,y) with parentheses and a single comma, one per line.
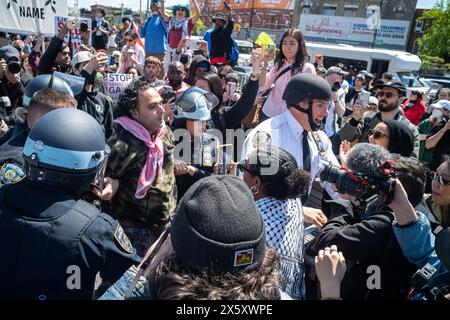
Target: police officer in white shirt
(297,131)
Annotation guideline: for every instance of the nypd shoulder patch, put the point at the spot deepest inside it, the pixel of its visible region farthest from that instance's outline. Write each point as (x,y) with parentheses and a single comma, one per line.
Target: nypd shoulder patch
(122,240)
(11,173)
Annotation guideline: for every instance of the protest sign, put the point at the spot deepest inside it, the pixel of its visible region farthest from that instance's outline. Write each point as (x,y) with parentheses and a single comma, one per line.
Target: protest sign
(117,84)
(74,36)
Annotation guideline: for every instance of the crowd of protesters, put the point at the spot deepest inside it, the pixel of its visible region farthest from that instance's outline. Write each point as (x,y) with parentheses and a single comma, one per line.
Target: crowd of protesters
(174,207)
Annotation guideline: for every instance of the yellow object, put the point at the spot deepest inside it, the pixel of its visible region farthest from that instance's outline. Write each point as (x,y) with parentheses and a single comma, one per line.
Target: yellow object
(264,40)
(237,27)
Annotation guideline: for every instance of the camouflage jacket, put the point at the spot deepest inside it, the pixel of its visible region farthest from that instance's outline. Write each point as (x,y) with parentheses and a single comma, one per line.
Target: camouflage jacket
(125,163)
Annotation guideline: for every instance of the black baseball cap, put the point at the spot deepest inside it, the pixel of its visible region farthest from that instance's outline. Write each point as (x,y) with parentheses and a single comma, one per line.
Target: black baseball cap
(399,86)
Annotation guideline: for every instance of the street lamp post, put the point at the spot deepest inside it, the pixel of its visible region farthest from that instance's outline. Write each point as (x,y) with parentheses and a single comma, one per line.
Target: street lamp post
(378,24)
(251,19)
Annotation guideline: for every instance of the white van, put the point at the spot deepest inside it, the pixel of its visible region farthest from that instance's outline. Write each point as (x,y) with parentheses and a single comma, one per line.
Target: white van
(402,65)
(245,52)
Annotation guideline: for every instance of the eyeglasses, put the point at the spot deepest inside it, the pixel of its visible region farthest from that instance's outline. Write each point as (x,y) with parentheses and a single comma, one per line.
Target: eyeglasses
(387,94)
(440,179)
(222,76)
(377,134)
(242,166)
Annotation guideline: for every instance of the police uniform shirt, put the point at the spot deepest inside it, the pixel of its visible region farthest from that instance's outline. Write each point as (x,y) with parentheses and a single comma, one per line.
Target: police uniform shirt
(285,132)
(11,160)
(31,267)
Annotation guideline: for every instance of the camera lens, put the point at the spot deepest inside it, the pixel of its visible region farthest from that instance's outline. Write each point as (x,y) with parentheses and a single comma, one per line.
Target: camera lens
(14,67)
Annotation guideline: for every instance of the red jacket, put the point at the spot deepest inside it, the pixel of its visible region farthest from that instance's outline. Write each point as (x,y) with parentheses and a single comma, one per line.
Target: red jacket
(415,112)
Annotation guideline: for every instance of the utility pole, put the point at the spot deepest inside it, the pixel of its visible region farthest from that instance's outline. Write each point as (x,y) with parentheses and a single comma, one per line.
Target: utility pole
(140,8)
(251,20)
(378,24)
(122,10)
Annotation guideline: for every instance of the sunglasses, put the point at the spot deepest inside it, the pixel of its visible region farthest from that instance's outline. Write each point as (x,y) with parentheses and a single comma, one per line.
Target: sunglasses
(377,134)
(181,9)
(387,94)
(129,40)
(242,166)
(440,179)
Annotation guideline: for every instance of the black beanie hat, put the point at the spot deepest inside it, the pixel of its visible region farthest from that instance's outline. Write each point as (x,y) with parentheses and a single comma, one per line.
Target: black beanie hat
(217,228)
(401,140)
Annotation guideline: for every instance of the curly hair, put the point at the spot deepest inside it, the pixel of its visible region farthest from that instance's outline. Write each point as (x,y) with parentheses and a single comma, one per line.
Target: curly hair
(302,53)
(129,99)
(176,281)
(288,182)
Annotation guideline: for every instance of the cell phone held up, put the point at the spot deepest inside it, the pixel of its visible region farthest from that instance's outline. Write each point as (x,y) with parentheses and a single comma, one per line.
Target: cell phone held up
(364,98)
(168,94)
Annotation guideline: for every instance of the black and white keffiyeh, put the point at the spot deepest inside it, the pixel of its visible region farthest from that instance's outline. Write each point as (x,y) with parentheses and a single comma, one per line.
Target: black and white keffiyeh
(283,221)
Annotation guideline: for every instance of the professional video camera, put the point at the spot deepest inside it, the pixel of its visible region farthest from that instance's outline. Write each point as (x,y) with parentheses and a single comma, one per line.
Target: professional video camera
(361,185)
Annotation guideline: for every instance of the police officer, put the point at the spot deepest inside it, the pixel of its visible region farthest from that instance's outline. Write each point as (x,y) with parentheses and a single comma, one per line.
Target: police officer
(53,243)
(54,93)
(297,131)
(198,148)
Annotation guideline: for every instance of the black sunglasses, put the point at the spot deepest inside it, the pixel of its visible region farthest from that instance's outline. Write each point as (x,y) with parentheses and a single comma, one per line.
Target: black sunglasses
(377,134)
(440,179)
(181,9)
(387,94)
(242,166)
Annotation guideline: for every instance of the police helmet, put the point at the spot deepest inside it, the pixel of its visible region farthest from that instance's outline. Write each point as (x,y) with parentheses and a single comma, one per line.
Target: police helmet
(66,146)
(195,104)
(44,81)
(306,85)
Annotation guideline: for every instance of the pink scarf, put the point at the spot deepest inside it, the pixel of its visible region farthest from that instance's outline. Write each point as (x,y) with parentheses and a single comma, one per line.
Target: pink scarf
(155,156)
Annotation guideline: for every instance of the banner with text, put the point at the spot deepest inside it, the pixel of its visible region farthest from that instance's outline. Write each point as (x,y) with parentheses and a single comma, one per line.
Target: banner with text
(117,84)
(355,31)
(75,35)
(31,16)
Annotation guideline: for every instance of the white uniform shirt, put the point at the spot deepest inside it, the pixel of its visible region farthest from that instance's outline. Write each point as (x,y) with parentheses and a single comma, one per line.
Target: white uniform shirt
(285,132)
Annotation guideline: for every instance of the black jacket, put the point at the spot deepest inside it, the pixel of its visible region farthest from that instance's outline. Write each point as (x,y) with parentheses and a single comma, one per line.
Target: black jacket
(99,106)
(366,242)
(47,63)
(230,118)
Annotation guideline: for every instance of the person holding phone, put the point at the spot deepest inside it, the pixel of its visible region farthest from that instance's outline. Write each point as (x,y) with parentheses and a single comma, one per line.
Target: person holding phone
(231,94)
(132,54)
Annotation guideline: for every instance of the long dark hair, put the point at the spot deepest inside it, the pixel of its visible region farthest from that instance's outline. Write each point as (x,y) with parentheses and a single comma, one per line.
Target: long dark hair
(302,53)
(214,83)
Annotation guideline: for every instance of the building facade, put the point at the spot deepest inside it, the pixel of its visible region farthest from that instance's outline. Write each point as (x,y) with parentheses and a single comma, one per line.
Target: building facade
(418,27)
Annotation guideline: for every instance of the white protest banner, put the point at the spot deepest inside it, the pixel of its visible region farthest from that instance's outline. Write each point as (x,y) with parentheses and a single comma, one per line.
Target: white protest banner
(117,84)
(74,36)
(31,16)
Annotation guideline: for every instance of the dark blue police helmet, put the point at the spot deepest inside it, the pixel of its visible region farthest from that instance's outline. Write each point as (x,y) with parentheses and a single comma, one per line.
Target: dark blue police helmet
(66,146)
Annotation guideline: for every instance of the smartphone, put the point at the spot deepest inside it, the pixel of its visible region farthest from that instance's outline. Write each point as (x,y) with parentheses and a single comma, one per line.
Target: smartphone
(231,89)
(167,93)
(271,48)
(364,97)
(222,160)
(192,44)
(72,23)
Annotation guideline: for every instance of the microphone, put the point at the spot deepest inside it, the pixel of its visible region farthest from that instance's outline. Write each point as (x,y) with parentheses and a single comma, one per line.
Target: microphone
(367,159)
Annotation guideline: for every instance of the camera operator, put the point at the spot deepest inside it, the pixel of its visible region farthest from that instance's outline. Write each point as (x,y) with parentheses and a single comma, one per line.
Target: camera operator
(10,86)
(428,250)
(362,228)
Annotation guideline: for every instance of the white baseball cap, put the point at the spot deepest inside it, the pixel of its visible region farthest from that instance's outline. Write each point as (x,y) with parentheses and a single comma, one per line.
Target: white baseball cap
(442,104)
(116,53)
(373,100)
(81,56)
